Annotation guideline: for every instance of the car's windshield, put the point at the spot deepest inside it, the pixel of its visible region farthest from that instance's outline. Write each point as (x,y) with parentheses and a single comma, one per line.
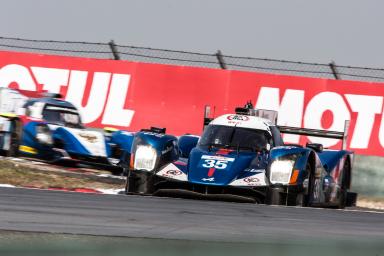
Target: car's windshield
(235,137)
(62,116)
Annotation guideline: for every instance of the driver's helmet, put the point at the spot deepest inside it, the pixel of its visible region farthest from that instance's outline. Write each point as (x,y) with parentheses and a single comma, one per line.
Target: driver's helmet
(218,141)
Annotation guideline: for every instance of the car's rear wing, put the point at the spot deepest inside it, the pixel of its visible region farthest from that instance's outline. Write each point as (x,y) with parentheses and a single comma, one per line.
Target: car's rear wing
(208,115)
(319,133)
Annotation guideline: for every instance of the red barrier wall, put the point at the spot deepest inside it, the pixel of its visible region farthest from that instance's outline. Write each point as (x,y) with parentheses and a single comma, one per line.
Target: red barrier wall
(132,95)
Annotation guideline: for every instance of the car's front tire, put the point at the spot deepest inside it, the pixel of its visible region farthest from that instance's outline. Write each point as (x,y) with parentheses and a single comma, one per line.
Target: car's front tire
(292,197)
(139,182)
(274,196)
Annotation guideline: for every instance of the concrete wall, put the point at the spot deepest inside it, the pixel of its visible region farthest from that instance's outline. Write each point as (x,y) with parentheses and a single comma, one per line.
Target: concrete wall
(368,176)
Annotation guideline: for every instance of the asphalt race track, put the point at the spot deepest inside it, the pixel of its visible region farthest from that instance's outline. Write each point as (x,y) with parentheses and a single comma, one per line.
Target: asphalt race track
(137,216)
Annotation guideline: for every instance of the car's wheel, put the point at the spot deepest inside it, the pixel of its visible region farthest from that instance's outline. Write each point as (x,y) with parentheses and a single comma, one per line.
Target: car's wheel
(139,183)
(308,197)
(274,196)
(304,197)
(13,150)
(13,147)
(117,171)
(296,199)
(344,189)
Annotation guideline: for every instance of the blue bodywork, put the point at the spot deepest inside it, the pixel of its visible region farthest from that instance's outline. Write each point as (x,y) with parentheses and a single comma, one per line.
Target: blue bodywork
(221,177)
(55,140)
(226,169)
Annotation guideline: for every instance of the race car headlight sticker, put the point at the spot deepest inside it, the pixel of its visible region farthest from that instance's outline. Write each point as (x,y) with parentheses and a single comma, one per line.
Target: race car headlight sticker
(281,171)
(43,135)
(145,158)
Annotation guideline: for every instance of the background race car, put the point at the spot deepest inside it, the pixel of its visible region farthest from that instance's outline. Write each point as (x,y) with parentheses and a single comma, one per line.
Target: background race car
(242,157)
(46,127)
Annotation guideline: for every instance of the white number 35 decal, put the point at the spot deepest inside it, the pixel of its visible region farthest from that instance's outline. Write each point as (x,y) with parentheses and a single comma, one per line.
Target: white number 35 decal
(217,164)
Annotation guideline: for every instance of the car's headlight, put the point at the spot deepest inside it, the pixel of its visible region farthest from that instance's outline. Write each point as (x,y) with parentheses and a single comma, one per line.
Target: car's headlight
(281,171)
(145,158)
(44,135)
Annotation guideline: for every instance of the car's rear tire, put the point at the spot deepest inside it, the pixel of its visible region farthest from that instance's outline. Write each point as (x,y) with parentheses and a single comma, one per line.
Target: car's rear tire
(344,188)
(308,197)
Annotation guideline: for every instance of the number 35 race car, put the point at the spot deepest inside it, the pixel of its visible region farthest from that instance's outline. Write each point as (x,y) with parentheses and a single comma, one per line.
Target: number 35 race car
(49,128)
(242,157)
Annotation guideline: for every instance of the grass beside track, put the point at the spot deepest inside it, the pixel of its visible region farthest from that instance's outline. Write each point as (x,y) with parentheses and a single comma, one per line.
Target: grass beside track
(22,174)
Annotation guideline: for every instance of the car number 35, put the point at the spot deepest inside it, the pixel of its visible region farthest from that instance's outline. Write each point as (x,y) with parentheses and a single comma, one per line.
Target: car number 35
(217,164)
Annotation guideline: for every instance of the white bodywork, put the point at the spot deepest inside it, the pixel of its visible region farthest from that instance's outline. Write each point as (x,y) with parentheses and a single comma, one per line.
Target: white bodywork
(5,127)
(93,141)
(243,121)
(171,171)
(258,179)
(11,101)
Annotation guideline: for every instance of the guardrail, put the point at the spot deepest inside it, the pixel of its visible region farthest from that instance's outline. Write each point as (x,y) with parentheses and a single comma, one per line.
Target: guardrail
(112,50)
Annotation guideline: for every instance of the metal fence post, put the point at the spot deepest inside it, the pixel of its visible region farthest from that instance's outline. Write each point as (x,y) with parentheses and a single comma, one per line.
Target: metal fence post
(220,58)
(113,47)
(332,65)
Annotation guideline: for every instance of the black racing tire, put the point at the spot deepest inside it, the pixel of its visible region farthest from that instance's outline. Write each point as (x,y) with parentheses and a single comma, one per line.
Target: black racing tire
(274,196)
(303,198)
(307,199)
(344,189)
(13,150)
(139,183)
(117,171)
(297,199)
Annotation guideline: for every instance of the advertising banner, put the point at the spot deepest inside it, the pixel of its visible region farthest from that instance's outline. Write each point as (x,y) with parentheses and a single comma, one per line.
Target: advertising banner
(132,95)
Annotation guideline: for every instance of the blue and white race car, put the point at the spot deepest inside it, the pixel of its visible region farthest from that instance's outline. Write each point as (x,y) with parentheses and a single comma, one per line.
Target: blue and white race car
(242,157)
(51,129)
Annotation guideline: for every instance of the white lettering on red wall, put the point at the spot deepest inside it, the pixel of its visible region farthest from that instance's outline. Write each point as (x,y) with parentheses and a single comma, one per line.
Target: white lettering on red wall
(107,94)
(290,107)
(366,108)
(132,95)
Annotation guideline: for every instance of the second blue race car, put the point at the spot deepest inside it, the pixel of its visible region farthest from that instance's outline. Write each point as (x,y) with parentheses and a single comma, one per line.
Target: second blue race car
(51,129)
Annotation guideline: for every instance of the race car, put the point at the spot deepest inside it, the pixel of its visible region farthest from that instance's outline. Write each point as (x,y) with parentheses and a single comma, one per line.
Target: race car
(49,128)
(242,157)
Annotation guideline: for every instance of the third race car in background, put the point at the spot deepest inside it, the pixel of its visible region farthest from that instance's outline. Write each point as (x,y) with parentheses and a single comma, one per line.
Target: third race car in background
(242,157)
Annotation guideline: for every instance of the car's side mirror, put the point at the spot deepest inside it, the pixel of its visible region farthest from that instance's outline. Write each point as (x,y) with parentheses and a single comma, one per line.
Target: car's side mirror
(315,146)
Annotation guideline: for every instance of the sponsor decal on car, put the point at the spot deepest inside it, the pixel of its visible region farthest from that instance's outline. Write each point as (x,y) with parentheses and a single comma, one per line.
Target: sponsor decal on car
(251,180)
(254,170)
(27,149)
(166,150)
(237,118)
(221,158)
(171,171)
(174,172)
(257,179)
(88,137)
(215,162)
